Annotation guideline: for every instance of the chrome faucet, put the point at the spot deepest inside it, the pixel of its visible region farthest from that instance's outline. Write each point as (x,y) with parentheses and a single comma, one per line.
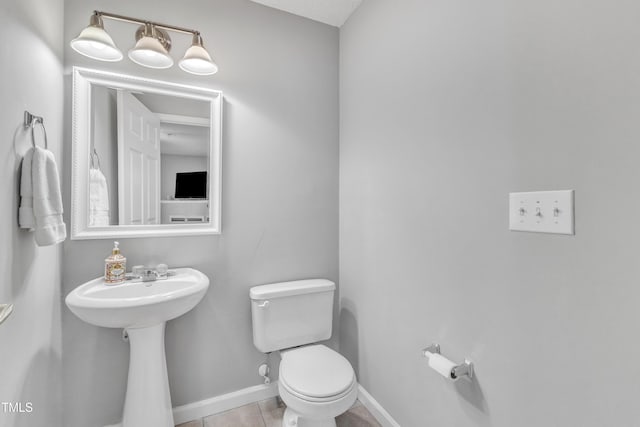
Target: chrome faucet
(144,274)
(148,275)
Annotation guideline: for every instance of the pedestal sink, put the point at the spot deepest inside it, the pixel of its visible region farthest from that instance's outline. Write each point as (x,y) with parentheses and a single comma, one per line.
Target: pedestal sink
(142,309)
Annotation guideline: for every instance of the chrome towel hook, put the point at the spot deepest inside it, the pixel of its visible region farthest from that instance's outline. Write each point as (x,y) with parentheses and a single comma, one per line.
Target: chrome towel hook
(94,159)
(5,311)
(30,121)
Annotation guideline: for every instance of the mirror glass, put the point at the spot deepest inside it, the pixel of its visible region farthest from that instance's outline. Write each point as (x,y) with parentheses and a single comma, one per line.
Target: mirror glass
(146,157)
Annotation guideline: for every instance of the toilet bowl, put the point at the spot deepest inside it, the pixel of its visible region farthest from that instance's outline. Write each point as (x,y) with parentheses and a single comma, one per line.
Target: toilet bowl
(317,384)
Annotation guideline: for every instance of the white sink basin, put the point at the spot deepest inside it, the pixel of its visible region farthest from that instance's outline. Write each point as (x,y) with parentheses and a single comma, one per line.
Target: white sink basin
(138,304)
(142,308)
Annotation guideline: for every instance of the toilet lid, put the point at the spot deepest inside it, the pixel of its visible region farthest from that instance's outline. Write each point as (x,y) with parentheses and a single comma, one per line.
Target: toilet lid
(316,371)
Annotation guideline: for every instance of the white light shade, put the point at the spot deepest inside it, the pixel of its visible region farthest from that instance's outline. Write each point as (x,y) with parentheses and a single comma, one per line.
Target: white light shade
(95,43)
(197,60)
(149,52)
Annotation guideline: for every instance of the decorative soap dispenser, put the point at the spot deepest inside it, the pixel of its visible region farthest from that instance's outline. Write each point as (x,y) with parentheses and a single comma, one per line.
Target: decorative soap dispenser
(115,266)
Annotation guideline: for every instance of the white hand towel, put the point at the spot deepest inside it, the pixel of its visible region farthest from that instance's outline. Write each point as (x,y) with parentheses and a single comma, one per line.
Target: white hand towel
(26,218)
(98,199)
(47,199)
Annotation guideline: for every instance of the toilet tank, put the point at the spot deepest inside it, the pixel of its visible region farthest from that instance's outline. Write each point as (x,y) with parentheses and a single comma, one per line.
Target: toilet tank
(290,314)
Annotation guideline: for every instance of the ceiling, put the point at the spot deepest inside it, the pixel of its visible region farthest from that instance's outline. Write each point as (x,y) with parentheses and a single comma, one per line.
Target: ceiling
(332,12)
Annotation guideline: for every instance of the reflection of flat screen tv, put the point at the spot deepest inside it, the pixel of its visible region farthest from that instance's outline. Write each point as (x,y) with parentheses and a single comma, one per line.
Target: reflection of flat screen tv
(191,185)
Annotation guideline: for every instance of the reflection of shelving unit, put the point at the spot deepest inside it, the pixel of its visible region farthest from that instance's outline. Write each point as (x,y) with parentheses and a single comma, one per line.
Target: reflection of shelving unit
(186,219)
(185,201)
(184,211)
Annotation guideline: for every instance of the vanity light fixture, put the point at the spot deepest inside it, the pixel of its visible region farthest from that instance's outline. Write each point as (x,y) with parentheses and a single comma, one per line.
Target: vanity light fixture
(152,47)
(95,43)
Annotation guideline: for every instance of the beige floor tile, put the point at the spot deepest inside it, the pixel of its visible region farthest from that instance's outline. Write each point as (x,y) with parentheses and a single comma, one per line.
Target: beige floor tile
(195,423)
(244,416)
(357,416)
(272,411)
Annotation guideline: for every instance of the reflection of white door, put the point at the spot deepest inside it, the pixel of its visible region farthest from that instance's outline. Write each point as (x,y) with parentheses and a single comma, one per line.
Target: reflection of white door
(138,162)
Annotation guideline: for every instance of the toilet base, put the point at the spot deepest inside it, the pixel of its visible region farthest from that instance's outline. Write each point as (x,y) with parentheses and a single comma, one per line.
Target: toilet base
(292,419)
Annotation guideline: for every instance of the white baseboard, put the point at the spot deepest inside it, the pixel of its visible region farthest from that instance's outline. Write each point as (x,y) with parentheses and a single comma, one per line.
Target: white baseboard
(225,402)
(378,412)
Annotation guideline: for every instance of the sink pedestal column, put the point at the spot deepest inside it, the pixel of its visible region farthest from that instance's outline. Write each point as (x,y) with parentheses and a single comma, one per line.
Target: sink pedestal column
(147,402)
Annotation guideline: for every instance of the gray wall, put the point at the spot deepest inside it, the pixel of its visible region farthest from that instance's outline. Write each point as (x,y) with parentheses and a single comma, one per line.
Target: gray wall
(279,75)
(446,107)
(30,340)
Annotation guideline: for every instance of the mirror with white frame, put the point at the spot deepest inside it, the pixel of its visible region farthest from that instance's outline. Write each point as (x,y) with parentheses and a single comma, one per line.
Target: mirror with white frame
(146,157)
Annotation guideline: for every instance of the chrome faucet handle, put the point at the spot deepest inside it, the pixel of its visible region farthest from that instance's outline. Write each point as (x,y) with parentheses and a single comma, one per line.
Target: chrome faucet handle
(162,270)
(136,271)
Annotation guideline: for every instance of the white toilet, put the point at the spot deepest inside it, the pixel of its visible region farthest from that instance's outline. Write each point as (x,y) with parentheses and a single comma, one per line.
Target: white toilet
(316,383)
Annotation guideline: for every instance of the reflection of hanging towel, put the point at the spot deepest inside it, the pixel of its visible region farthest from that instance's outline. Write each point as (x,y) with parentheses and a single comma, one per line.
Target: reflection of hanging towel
(98,199)
(41,203)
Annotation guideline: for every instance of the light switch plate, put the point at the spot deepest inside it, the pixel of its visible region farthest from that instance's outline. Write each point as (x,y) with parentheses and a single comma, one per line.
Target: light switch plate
(542,212)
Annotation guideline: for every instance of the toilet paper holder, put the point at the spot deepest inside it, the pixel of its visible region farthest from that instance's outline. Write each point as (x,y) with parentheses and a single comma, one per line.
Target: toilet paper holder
(458,371)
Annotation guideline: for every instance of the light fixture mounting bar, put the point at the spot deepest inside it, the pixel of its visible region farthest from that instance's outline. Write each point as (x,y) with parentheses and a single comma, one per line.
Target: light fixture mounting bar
(142,22)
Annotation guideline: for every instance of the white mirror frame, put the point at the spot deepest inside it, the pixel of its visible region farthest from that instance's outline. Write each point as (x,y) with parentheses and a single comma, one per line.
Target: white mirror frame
(83,79)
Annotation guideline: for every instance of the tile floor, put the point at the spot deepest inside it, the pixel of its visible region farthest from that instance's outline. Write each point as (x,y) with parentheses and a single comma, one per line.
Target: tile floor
(268,413)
